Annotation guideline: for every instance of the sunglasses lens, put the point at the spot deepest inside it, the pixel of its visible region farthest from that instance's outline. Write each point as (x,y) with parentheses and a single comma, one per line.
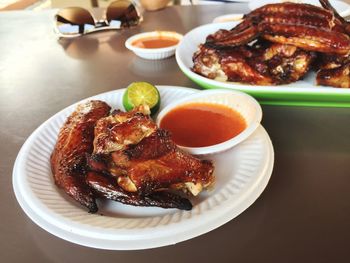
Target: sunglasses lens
(73,21)
(122,12)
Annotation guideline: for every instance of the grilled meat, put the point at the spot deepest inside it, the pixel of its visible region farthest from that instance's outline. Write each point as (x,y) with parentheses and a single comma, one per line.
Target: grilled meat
(126,158)
(156,164)
(306,26)
(263,63)
(121,129)
(107,187)
(69,155)
(336,77)
(147,161)
(304,30)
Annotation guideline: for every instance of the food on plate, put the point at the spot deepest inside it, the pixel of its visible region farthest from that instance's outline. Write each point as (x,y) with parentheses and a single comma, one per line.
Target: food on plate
(106,187)
(143,158)
(263,63)
(334,71)
(124,156)
(278,44)
(202,124)
(68,159)
(141,93)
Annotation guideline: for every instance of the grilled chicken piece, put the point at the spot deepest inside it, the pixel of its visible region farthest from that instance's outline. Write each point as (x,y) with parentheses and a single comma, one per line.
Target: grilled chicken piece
(336,77)
(231,65)
(286,63)
(330,61)
(333,70)
(121,129)
(156,163)
(263,63)
(146,161)
(207,62)
(305,26)
(307,37)
(338,19)
(108,188)
(68,158)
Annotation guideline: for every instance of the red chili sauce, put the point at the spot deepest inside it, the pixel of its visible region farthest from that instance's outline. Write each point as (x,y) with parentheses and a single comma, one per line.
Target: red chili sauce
(155,42)
(202,124)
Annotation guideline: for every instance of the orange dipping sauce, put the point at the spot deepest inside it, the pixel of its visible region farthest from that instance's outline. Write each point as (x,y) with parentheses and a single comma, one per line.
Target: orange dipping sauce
(155,42)
(202,124)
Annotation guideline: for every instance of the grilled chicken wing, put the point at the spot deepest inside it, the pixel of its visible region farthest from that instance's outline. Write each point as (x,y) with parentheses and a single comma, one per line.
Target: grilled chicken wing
(263,63)
(124,157)
(108,188)
(337,77)
(143,159)
(156,164)
(121,129)
(69,155)
(311,31)
(305,26)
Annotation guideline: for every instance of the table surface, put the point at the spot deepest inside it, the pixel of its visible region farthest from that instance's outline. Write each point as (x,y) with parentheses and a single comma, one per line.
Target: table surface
(302,216)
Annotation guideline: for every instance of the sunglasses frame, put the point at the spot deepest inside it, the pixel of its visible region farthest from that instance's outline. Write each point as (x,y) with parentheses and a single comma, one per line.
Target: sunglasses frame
(99,25)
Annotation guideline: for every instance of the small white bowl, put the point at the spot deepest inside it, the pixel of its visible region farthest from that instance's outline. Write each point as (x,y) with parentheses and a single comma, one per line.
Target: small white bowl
(153,53)
(228,18)
(241,102)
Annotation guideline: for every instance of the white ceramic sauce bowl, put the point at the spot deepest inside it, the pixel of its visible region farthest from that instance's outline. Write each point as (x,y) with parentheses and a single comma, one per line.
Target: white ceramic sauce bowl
(241,102)
(153,53)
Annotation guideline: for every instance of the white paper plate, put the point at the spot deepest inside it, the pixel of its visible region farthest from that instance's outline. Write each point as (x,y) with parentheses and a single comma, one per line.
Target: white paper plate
(242,174)
(342,7)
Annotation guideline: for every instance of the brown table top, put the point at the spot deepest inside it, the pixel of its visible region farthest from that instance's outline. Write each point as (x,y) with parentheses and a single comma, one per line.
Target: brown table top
(302,216)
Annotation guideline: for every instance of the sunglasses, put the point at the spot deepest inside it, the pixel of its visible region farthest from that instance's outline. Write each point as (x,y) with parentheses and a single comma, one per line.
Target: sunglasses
(77,21)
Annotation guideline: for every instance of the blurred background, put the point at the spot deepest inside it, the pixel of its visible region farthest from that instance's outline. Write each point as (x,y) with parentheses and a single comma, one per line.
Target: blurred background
(6,5)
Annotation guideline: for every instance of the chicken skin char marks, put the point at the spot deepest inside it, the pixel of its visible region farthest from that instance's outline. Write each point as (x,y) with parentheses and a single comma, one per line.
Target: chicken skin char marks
(124,157)
(68,159)
(106,187)
(313,31)
(146,160)
(333,71)
(263,63)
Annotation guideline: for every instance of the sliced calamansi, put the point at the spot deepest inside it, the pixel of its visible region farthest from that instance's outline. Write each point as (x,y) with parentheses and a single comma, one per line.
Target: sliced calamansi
(141,93)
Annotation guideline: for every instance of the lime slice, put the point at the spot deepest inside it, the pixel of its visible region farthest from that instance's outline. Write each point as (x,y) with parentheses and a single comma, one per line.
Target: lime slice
(141,93)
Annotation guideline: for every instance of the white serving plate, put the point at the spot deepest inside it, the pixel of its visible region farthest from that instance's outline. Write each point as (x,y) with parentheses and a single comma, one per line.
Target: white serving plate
(242,174)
